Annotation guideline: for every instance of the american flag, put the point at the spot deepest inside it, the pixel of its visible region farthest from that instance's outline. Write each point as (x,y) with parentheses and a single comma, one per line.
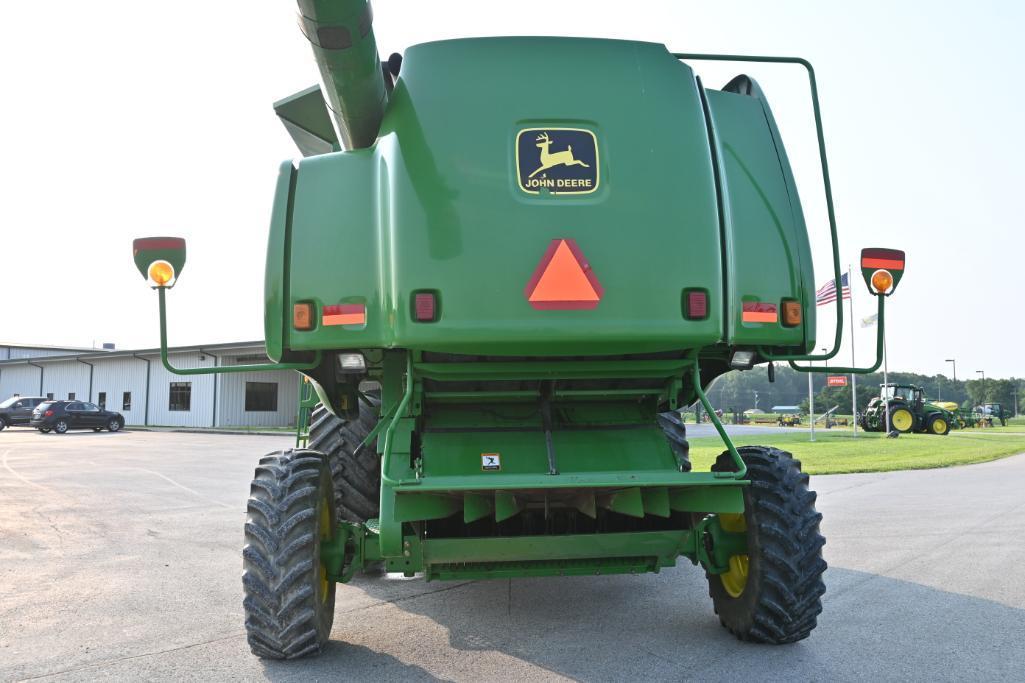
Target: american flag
(827,292)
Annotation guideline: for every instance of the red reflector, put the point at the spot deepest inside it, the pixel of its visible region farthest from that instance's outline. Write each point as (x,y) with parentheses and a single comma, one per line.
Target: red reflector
(759,312)
(344,314)
(48,413)
(424,307)
(696,305)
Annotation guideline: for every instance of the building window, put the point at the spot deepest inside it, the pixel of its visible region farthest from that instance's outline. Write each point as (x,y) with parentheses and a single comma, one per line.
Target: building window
(261,397)
(126,401)
(181,396)
(49,397)
(71,396)
(101,400)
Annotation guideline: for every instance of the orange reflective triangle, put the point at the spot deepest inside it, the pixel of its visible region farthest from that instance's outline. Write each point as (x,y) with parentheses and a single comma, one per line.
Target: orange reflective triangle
(563,279)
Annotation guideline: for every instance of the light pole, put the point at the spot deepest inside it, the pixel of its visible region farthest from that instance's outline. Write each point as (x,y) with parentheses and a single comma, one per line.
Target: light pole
(951,360)
(983,393)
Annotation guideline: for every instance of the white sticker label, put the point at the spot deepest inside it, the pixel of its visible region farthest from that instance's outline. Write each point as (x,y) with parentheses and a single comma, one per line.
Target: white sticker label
(490,461)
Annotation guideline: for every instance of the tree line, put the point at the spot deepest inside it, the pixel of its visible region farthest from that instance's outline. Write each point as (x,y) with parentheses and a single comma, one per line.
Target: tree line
(740,391)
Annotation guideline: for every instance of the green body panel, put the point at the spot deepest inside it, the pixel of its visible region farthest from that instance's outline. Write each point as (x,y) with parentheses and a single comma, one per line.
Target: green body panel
(767,254)
(563,555)
(275,282)
(434,205)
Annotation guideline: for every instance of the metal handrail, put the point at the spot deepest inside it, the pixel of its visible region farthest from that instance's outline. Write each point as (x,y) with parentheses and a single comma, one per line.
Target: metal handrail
(258,367)
(387,438)
(737,460)
(880,333)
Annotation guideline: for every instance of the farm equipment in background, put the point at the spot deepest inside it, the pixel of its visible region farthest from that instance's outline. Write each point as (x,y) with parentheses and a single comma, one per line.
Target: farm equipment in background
(827,417)
(986,415)
(909,412)
(789,420)
(962,419)
(991,413)
(501,296)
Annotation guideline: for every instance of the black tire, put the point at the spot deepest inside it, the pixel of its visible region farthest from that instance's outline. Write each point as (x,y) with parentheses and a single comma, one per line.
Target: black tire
(289,605)
(44,430)
(97,429)
(675,430)
(114,425)
(938,425)
(61,426)
(3,424)
(357,478)
(782,596)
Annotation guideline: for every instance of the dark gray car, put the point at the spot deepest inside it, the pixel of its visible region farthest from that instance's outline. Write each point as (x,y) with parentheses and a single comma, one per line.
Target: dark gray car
(60,416)
(17,410)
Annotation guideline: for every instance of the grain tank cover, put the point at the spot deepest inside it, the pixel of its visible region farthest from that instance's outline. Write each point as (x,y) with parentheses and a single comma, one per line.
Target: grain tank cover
(491,152)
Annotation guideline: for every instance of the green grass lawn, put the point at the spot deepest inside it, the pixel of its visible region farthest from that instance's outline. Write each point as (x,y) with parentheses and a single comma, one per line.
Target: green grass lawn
(842,452)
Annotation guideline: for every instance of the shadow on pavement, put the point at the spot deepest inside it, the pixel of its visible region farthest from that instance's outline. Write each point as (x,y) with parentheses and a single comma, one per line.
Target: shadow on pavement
(342,661)
(661,627)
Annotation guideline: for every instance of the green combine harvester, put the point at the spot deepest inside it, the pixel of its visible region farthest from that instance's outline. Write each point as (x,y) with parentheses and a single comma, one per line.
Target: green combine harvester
(504,264)
(908,412)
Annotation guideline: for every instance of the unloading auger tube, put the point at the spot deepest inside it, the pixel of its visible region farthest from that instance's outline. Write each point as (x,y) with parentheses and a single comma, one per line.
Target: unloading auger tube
(501,359)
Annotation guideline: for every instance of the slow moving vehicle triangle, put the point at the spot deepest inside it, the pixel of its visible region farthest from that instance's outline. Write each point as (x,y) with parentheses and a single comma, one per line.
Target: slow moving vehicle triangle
(563,280)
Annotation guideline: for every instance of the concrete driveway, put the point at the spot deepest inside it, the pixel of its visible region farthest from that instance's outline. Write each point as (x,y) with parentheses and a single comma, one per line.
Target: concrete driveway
(120,560)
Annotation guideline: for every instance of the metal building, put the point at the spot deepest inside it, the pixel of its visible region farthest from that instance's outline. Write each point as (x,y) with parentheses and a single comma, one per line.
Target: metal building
(136,384)
(8,351)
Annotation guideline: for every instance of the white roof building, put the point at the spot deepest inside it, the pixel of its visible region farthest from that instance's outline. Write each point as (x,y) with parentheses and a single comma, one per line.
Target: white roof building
(137,385)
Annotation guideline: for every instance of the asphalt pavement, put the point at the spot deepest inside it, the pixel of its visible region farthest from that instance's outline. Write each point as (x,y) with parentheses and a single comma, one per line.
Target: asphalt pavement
(120,560)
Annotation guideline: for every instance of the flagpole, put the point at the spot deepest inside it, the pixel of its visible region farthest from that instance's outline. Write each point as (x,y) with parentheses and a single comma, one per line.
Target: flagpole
(854,378)
(886,380)
(811,408)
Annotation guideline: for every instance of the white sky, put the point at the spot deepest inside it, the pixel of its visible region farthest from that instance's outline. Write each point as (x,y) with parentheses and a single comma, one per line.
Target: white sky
(127,119)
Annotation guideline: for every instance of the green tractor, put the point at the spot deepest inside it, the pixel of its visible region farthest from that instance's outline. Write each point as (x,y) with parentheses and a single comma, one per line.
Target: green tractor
(909,412)
(504,264)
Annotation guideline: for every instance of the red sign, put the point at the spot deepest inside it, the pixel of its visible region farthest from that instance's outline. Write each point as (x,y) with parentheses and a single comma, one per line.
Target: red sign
(836,381)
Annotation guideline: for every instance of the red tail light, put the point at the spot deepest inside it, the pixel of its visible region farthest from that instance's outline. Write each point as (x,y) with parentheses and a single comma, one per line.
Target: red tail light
(695,304)
(425,307)
(48,413)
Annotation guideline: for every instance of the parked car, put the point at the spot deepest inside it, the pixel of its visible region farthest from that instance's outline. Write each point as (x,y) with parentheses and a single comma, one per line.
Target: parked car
(60,416)
(17,410)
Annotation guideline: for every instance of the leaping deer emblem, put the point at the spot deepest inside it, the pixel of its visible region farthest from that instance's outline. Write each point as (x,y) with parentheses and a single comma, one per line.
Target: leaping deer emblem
(549,159)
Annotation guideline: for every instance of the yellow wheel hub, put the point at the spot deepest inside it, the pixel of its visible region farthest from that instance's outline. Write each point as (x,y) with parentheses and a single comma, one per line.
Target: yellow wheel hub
(939,425)
(734,580)
(324,532)
(902,420)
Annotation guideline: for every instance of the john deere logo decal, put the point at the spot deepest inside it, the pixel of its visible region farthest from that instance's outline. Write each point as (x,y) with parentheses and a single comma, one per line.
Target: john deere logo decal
(557,160)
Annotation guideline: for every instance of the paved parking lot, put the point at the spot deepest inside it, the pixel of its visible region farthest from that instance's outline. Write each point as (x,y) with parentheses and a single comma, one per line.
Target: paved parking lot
(120,560)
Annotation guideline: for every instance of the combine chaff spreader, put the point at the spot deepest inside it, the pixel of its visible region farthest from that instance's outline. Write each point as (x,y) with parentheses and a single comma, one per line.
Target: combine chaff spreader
(504,264)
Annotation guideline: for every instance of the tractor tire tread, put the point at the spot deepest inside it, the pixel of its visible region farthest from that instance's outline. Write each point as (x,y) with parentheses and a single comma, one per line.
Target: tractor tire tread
(283,617)
(675,430)
(788,544)
(356,476)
